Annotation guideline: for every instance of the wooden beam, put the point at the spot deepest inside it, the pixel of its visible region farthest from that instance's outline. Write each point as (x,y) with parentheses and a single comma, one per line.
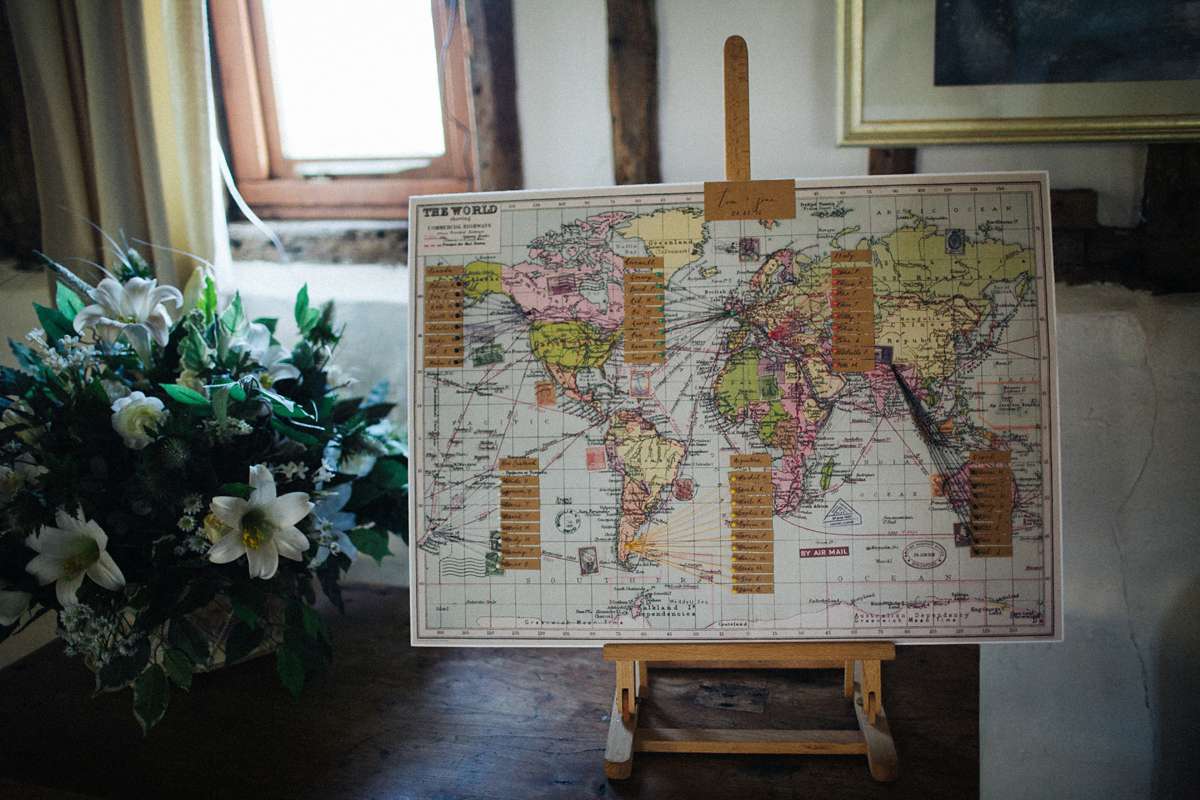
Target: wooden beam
(633,90)
(892,161)
(494,92)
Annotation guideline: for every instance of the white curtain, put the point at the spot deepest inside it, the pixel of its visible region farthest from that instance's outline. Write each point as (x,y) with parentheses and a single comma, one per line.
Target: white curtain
(122,122)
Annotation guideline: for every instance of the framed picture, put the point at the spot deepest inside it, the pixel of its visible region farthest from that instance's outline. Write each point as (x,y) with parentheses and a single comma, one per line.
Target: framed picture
(976,71)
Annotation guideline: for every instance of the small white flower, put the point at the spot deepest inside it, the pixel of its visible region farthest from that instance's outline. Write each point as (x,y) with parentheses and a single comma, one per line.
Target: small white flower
(263,527)
(186,524)
(66,553)
(324,473)
(135,310)
(137,418)
(193,504)
(331,524)
(292,470)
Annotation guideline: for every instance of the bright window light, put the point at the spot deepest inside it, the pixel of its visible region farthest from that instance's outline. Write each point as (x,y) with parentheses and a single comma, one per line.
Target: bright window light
(355,79)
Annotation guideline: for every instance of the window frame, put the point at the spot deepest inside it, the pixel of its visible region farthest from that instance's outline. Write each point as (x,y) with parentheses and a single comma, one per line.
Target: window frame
(268,181)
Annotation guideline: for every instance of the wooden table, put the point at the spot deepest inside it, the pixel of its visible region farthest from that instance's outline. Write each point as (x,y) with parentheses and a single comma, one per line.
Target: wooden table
(392,721)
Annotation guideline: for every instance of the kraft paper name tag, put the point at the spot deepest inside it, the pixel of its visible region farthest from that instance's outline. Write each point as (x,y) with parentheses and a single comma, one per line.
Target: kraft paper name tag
(733,200)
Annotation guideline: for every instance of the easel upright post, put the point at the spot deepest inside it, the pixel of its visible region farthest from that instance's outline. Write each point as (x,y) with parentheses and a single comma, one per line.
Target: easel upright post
(861,661)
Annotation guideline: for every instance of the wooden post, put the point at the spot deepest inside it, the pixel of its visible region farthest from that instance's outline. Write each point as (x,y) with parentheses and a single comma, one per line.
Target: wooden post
(860,660)
(633,90)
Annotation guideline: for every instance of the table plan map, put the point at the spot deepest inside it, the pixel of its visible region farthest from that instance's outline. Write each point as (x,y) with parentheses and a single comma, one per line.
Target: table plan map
(633,421)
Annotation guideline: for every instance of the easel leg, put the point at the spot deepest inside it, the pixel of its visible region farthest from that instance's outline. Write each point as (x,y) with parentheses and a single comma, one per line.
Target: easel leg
(868,707)
(618,753)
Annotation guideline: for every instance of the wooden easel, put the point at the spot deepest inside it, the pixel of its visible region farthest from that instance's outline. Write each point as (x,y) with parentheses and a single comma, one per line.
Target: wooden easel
(860,660)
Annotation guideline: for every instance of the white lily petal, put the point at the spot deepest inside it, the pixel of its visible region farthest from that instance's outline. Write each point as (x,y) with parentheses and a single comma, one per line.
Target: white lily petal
(63,519)
(228,548)
(93,529)
(105,572)
(45,568)
(108,294)
(264,560)
(13,605)
(288,509)
(57,543)
(264,485)
(159,323)
(66,588)
(229,510)
(291,543)
(138,336)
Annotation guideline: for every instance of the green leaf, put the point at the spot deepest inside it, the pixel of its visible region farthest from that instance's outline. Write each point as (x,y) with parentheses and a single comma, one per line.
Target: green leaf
(245,612)
(306,317)
(197,597)
(241,642)
(390,473)
(291,670)
(67,301)
(208,301)
(242,490)
(122,670)
(14,382)
(269,323)
(190,640)
(328,575)
(185,395)
(233,320)
(54,323)
(293,434)
(25,357)
(314,625)
(372,542)
(151,691)
(178,667)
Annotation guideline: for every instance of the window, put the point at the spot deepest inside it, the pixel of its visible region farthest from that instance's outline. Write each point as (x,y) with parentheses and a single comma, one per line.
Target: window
(343,110)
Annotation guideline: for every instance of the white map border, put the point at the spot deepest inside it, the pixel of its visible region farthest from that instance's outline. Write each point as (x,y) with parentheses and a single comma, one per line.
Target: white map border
(692,194)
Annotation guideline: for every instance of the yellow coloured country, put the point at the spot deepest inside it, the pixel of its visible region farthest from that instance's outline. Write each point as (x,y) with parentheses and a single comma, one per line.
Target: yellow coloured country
(676,235)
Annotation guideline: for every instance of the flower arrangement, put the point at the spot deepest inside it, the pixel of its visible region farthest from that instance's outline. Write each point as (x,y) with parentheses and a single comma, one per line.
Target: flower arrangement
(172,480)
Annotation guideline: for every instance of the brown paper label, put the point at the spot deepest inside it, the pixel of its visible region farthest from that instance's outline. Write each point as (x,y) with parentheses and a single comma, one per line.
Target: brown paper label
(520,563)
(734,200)
(750,460)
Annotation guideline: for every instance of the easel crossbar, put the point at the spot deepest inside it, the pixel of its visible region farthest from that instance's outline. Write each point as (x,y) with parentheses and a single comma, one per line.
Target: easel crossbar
(771,742)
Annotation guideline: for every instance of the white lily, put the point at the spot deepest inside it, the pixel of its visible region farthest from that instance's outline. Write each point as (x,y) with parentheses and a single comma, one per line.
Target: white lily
(263,527)
(66,553)
(257,342)
(136,310)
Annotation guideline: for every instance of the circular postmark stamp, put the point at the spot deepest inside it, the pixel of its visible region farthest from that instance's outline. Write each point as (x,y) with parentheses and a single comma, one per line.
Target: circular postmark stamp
(567,521)
(924,554)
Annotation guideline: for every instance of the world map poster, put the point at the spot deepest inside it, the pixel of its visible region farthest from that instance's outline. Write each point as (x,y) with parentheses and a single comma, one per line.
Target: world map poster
(633,420)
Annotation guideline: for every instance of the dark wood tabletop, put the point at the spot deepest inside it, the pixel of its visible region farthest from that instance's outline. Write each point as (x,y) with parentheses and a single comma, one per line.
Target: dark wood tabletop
(388,720)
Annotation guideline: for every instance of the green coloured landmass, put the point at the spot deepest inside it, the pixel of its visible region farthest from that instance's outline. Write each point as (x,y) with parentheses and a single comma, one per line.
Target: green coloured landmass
(737,386)
(766,427)
(572,345)
(827,474)
(482,277)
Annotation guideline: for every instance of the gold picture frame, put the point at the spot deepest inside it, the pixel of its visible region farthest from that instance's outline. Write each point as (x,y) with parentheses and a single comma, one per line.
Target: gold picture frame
(886,94)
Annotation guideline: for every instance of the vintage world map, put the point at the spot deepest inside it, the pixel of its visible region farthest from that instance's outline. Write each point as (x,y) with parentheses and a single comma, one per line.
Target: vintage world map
(632,422)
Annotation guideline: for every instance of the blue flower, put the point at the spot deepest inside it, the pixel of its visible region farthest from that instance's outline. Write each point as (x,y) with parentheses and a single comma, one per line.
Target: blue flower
(331,524)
